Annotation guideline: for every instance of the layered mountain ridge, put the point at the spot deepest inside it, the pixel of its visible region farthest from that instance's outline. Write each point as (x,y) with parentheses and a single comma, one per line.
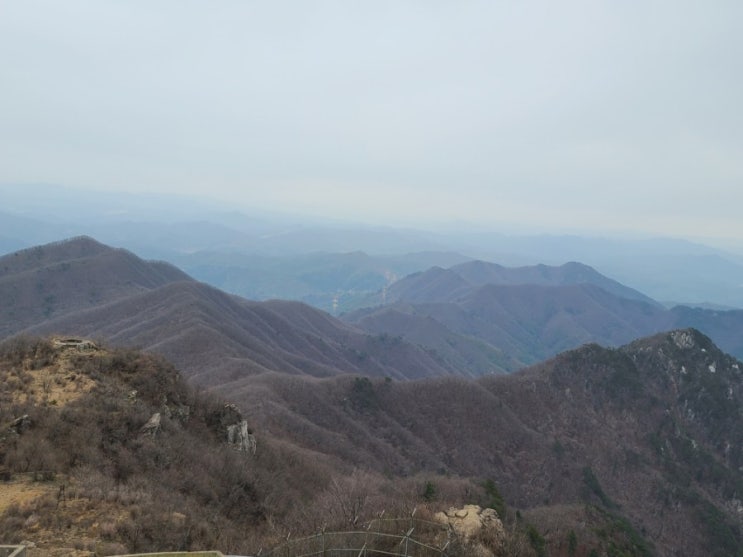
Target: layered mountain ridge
(81,287)
(643,435)
(532,313)
(442,322)
(63,277)
(437,284)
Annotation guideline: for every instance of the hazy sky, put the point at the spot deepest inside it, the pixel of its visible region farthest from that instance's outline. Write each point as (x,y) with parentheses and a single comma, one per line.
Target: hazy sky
(563,115)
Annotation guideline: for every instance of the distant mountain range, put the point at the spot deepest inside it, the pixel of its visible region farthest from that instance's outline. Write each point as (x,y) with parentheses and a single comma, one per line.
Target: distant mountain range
(441,285)
(81,287)
(442,322)
(333,282)
(531,313)
(262,255)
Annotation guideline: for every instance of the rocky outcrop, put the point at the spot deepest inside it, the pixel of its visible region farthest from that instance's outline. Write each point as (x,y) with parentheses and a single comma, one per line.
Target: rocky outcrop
(241,437)
(19,425)
(230,425)
(79,344)
(152,427)
(472,523)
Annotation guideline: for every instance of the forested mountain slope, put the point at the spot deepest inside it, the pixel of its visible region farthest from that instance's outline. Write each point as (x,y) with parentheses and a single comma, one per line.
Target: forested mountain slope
(647,432)
(80,287)
(528,313)
(52,280)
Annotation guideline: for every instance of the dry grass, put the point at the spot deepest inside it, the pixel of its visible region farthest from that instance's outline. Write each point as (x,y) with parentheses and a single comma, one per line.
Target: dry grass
(81,414)
(79,529)
(58,383)
(30,503)
(21,491)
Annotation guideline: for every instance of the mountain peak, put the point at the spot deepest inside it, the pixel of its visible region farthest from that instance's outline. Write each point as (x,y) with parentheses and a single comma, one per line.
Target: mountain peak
(53,279)
(676,343)
(54,252)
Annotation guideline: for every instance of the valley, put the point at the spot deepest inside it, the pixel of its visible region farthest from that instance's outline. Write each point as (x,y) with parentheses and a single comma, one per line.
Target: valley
(468,377)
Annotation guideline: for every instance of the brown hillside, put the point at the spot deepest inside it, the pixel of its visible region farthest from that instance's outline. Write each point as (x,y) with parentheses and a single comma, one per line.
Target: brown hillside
(480,273)
(81,287)
(528,323)
(464,352)
(646,432)
(630,448)
(82,473)
(138,462)
(528,313)
(55,279)
(214,337)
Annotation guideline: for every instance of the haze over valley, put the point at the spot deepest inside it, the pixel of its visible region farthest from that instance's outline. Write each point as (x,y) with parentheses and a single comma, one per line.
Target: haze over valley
(264,255)
(585,386)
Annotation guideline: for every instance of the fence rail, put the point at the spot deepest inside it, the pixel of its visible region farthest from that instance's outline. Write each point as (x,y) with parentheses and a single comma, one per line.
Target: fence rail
(381,538)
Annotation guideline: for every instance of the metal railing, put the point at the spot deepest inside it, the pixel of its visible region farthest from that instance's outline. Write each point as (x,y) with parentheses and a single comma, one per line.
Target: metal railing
(381,538)
(12,551)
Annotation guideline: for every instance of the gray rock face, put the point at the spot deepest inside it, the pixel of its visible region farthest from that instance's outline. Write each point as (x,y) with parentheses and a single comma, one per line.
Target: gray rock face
(240,436)
(19,425)
(229,424)
(152,427)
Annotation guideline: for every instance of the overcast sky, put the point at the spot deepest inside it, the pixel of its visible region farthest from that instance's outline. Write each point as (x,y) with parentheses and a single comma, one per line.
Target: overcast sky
(558,115)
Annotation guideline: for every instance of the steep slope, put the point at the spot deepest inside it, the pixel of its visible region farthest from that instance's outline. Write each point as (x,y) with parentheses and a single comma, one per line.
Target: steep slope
(646,434)
(55,279)
(213,337)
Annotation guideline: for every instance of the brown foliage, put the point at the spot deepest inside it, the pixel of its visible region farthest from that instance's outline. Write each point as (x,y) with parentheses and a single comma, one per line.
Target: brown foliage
(95,444)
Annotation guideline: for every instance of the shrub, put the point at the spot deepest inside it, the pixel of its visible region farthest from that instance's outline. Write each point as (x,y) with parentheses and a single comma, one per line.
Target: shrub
(536,540)
(494,499)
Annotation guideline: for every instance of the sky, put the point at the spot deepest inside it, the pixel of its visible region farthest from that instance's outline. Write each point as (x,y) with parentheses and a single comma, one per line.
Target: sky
(557,116)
